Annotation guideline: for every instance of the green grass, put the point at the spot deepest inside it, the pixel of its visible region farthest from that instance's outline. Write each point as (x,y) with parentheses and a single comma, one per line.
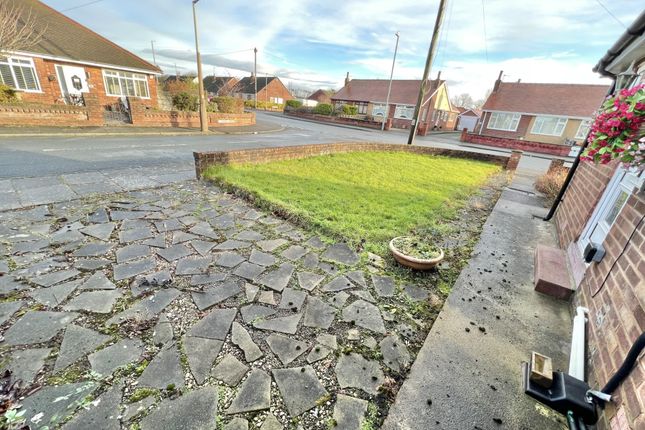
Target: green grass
(365,197)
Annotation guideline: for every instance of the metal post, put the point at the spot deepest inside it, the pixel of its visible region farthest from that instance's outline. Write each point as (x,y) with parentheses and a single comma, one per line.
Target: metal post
(426,71)
(203,116)
(154,57)
(389,87)
(255,75)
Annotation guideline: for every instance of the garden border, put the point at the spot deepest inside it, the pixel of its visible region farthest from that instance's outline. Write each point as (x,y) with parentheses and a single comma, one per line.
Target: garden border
(264,155)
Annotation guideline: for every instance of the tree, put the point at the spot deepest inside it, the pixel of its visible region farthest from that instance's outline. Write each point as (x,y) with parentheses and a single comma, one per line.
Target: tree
(18,28)
(479,103)
(463,100)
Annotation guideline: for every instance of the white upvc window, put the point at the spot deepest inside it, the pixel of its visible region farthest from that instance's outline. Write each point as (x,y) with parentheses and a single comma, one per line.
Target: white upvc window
(504,121)
(549,125)
(583,130)
(378,109)
(121,84)
(404,111)
(19,73)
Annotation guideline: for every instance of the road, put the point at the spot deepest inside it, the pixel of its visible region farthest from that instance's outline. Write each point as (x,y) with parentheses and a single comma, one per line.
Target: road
(28,157)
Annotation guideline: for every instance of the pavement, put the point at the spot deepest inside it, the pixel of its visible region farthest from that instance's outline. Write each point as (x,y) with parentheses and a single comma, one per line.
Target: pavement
(257,128)
(467,374)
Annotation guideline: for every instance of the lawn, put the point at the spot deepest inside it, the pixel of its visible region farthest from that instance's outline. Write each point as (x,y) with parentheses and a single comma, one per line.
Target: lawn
(366,197)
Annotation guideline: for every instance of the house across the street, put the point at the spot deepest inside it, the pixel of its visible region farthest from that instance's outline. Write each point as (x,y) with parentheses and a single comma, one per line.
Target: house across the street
(270,89)
(220,85)
(71,61)
(321,96)
(545,113)
(370,95)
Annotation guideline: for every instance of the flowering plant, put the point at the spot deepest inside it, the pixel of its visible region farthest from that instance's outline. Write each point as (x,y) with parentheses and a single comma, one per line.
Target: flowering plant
(617,130)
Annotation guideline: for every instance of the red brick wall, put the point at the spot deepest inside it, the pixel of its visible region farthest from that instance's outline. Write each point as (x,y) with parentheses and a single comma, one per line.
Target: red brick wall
(274,89)
(205,159)
(142,116)
(53,115)
(51,92)
(335,119)
(613,290)
(523,145)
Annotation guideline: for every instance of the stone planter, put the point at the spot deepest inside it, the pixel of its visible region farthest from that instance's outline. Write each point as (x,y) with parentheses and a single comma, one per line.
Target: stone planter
(413,262)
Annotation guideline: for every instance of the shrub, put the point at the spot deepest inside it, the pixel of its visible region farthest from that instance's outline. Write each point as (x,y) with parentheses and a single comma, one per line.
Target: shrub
(185,102)
(7,95)
(249,103)
(294,104)
(323,109)
(350,110)
(229,104)
(551,182)
(212,107)
(180,86)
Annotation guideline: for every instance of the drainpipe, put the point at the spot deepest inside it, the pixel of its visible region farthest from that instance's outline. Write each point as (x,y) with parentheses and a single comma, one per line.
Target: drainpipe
(574,166)
(577,356)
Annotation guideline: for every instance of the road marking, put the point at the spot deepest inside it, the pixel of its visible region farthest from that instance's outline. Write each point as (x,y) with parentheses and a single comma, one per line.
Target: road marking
(170,145)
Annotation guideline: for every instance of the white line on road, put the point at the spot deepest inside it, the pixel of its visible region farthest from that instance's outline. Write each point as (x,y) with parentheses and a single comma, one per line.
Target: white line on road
(170,145)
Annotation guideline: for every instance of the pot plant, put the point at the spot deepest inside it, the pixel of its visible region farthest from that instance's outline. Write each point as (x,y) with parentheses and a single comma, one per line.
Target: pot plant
(415,252)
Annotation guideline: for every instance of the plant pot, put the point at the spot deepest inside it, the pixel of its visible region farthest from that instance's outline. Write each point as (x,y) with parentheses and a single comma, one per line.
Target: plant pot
(413,262)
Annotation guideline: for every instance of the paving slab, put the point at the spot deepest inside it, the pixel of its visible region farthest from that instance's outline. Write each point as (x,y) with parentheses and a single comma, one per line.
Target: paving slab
(134,268)
(349,412)
(253,395)
(229,259)
(193,265)
(98,281)
(279,278)
(292,299)
(54,296)
(94,249)
(38,327)
(294,252)
(215,325)
(174,252)
(7,309)
(355,371)
(285,348)
(242,338)
(53,278)
(341,253)
(300,388)
(146,308)
(249,271)
(338,284)
(25,364)
(201,353)
(108,359)
(77,342)
(94,301)
(308,280)
(230,370)
(202,246)
(252,312)
(132,252)
(287,325)
(384,285)
(318,314)
(99,231)
(271,245)
(318,353)
(164,370)
(395,354)
(237,424)
(102,414)
(52,404)
(366,315)
(196,410)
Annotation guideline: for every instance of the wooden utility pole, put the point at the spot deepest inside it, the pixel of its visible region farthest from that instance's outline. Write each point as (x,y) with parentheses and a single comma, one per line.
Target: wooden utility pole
(203,115)
(154,57)
(255,75)
(426,71)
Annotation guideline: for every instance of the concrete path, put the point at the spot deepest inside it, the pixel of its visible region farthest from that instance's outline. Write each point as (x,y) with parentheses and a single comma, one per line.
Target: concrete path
(467,375)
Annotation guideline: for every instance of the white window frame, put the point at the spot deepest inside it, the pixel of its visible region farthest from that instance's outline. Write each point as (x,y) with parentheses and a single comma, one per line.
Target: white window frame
(624,182)
(585,124)
(9,62)
(560,122)
(378,109)
(397,113)
(496,117)
(119,75)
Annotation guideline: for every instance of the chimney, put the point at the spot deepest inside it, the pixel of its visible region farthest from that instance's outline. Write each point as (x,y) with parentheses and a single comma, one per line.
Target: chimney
(498,81)
(519,81)
(439,76)
(347,79)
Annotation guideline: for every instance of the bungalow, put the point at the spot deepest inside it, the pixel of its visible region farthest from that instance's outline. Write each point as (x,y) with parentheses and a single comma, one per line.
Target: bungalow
(321,96)
(467,119)
(545,113)
(220,85)
(71,61)
(370,95)
(270,89)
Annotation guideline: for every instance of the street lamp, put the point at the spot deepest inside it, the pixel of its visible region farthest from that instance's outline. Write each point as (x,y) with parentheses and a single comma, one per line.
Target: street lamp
(389,88)
(203,116)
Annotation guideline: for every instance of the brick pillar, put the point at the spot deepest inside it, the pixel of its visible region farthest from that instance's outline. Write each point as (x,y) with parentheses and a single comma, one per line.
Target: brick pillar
(464,133)
(556,164)
(136,110)
(94,110)
(514,160)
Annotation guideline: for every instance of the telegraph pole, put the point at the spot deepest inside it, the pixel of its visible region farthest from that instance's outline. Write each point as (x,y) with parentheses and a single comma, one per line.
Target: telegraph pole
(203,116)
(426,71)
(255,76)
(389,87)
(154,57)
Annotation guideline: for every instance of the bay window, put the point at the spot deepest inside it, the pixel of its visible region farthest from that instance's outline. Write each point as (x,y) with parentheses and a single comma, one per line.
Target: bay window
(120,84)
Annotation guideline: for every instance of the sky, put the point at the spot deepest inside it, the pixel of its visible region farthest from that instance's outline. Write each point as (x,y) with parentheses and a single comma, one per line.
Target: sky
(313,44)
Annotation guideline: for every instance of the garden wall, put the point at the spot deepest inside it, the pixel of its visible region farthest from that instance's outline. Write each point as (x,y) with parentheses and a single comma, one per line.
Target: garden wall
(145,117)
(522,145)
(60,115)
(205,159)
(613,290)
(336,119)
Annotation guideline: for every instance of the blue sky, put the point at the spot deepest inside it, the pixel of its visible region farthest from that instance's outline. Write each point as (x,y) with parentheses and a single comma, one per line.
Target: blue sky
(312,44)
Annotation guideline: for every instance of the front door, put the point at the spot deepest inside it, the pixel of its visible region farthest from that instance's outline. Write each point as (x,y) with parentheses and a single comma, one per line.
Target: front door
(73,83)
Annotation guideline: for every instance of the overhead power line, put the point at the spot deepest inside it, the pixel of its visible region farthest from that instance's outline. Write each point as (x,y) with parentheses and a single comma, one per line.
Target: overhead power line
(611,14)
(80,6)
(485,36)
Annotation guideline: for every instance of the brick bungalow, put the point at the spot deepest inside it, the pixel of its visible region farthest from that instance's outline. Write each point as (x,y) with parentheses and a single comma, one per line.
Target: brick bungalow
(321,96)
(71,61)
(220,85)
(544,113)
(605,205)
(467,119)
(270,89)
(370,95)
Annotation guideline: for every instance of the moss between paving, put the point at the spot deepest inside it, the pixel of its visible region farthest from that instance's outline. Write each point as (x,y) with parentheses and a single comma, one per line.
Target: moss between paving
(362,197)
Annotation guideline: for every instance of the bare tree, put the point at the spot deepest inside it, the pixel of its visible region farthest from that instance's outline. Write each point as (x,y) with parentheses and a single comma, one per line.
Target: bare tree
(18,28)
(479,103)
(463,100)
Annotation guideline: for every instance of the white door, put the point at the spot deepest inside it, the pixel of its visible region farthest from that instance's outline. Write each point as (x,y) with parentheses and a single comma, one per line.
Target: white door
(72,80)
(622,185)
(467,122)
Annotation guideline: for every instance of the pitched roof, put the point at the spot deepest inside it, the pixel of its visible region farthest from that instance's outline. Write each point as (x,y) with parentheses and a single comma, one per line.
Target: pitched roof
(213,84)
(247,85)
(321,95)
(375,90)
(68,39)
(574,100)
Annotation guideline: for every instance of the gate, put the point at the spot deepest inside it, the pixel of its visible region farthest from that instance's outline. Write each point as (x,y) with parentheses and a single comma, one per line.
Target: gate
(117,113)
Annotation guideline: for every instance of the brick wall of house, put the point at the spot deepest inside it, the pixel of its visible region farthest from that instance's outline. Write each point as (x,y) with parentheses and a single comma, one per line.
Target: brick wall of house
(274,89)
(50,86)
(613,290)
(523,145)
(522,127)
(205,159)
